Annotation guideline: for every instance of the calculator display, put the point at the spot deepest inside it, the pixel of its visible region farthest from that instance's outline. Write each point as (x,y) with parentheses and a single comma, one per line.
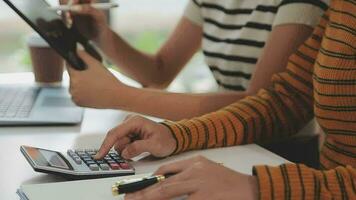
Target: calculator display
(47,158)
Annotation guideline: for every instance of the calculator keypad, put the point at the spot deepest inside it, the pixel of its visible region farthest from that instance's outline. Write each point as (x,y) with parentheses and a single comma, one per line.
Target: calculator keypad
(111,161)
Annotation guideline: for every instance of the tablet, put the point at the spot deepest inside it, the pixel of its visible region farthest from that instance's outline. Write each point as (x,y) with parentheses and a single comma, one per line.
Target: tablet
(50,26)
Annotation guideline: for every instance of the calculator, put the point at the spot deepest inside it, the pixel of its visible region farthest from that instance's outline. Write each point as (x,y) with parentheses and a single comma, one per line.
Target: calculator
(77,164)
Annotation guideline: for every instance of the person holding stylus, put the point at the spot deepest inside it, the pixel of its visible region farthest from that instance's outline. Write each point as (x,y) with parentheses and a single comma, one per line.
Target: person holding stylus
(243,42)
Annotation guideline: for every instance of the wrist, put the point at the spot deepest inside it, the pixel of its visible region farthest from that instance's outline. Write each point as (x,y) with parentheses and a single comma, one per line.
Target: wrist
(104,38)
(174,138)
(120,94)
(254,187)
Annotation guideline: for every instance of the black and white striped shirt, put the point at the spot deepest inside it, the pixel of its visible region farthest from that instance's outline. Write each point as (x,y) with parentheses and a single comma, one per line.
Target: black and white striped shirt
(235,32)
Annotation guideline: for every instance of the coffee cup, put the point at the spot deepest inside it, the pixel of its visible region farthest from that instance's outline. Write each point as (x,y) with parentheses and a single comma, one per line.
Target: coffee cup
(47,64)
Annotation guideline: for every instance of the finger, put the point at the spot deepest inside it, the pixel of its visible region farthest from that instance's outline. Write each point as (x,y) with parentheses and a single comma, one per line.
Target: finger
(165,190)
(121,144)
(136,148)
(129,117)
(86,10)
(115,134)
(174,167)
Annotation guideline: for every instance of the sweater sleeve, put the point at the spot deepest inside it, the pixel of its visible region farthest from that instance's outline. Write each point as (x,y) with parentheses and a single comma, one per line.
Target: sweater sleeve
(273,113)
(290,181)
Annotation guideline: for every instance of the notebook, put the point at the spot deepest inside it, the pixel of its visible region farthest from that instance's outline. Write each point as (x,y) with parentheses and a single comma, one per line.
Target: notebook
(73,190)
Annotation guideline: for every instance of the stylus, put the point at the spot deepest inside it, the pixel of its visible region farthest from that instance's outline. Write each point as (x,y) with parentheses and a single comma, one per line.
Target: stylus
(133,185)
(78,7)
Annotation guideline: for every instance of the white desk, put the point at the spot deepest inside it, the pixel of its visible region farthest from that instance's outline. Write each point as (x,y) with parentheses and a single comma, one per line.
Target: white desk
(14,169)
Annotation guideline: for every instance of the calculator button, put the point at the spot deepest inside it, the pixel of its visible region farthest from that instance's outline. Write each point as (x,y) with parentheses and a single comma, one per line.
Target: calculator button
(82,154)
(91,162)
(79,151)
(77,160)
(113,154)
(124,166)
(100,162)
(116,156)
(111,161)
(70,152)
(115,166)
(92,153)
(94,167)
(104,166)
(87,159)
(108,159)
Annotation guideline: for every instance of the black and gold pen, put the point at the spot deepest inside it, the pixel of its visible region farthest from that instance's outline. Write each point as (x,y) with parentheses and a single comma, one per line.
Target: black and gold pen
(133,185)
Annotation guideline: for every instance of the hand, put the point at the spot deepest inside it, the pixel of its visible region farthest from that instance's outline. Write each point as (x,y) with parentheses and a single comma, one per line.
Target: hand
(95,87)
(137,135)
(199,179)
(91,22)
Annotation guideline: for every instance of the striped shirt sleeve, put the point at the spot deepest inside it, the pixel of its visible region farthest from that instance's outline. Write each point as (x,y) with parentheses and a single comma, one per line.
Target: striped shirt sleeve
(290,181)
(300,12)
(193,12)
(273,113)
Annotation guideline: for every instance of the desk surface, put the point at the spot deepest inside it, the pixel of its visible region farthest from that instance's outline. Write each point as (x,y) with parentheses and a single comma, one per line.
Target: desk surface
(14,169)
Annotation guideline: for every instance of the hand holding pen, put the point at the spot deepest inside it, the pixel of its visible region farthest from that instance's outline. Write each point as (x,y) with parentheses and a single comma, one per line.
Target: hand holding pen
(198,178)
(91,22)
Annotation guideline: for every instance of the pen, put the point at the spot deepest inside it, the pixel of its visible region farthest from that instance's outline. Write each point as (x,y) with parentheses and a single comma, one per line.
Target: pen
(77,7)
(133,185)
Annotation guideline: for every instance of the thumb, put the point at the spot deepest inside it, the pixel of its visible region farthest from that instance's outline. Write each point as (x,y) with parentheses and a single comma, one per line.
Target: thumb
(71,71)
(136,148)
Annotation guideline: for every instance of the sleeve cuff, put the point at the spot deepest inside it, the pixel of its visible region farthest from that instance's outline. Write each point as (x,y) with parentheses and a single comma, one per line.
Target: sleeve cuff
(192,12)
(298,13)
(169,126)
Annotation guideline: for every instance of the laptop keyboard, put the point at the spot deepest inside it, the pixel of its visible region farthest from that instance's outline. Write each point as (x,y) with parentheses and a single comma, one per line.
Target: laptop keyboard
(17,102)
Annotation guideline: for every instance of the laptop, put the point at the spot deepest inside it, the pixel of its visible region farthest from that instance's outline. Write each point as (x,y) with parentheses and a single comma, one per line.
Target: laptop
(25,105)
(31,105)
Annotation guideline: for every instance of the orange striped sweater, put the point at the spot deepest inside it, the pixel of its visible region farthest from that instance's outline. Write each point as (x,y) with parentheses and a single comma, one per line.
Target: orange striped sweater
(320,81)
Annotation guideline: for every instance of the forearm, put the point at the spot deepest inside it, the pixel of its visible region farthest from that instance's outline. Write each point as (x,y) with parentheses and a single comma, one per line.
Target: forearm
(274,113)
(173,106)
(292,181)
(158,70)
(149,70)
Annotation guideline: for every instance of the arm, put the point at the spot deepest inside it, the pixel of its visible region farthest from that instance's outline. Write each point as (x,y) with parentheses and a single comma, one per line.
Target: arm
(158,70)
(284,108)
(291,181)
(177,106)
(155,71)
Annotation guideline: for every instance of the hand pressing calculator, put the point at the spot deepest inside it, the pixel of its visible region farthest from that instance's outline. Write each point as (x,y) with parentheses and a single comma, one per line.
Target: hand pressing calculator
(77,164)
